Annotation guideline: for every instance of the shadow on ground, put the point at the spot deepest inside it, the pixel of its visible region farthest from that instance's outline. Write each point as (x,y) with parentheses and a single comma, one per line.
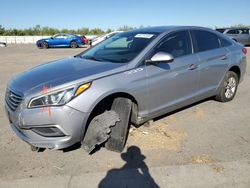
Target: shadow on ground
(134,173)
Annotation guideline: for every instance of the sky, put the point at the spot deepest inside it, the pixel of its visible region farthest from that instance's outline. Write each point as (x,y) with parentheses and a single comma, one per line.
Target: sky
(104,14)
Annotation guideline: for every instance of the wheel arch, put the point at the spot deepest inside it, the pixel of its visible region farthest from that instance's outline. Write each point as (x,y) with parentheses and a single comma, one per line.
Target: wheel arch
(44,41)
(237,70)
(105,103)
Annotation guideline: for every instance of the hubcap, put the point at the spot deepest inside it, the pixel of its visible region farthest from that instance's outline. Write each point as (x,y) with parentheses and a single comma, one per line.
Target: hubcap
(73,45)
(230,87)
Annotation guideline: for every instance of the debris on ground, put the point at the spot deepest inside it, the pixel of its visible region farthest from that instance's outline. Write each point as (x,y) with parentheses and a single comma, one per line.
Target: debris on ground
(206,159)
(217,168)
(199,112)
(202,159)
(155,137)
(99,129)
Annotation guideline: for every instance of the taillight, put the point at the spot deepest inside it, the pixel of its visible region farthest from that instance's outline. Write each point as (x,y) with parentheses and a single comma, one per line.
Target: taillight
(84,40)
(244,50)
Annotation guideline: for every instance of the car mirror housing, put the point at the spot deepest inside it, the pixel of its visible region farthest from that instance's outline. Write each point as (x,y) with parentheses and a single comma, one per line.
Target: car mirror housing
(160,57)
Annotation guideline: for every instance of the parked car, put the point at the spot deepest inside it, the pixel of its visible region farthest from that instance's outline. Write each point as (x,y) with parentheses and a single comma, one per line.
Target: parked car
(3,44)
(241,35)
(62,40)
(101,38)
(130,78)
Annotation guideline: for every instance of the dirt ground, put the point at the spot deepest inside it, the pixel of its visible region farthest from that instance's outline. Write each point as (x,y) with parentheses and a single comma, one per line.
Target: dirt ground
(208,132)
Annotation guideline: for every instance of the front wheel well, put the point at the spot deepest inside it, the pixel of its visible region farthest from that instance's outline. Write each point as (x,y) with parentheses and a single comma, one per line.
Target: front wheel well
(236,69)
(106,103)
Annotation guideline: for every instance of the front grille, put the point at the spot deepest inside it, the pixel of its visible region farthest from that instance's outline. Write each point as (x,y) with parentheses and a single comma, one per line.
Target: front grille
(12,99)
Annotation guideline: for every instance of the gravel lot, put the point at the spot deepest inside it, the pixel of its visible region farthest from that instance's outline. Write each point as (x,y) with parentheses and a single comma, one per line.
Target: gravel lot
(206,133)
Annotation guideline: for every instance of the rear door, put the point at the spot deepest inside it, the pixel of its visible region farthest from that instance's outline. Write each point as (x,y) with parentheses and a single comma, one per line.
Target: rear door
(213,60)
(67,39)
(172,83)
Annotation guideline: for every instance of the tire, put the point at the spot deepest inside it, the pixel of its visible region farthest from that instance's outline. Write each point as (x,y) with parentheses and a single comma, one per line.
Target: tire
(228,87)
(44,45)
(73,44)
(119,133)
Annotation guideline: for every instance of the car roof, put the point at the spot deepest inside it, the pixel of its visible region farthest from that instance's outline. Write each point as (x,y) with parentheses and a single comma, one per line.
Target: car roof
(234,28)
(162,29)
(66,34)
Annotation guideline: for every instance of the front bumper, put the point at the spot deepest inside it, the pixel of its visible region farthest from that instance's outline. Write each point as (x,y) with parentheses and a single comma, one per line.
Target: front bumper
(69,121)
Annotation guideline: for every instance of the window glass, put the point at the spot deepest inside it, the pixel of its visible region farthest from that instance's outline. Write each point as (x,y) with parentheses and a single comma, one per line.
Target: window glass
(67,36)
(110,35)
(245,31)
(59,36)
(120,43)
(176,44)
(233,31)
(224,42)
(206,40)
(120,48)
(220,30)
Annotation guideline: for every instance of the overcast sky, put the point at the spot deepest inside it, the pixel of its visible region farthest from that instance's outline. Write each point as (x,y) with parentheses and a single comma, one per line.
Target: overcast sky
(114,13)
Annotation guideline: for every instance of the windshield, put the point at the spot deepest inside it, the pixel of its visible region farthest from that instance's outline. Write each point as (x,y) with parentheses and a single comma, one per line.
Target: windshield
(120,48)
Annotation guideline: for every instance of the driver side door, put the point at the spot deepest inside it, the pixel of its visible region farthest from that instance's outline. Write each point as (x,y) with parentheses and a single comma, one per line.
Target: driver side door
(171,85)
(57,40)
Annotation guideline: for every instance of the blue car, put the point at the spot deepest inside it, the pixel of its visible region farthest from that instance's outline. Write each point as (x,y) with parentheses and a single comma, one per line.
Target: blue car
(62,40)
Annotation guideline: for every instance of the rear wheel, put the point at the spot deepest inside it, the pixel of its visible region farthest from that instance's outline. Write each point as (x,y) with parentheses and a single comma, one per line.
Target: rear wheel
(44,45)
(228,88)
(119,133)
(73,44)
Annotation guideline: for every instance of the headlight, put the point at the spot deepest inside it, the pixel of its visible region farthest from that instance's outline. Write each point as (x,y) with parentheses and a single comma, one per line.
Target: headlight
(58,98)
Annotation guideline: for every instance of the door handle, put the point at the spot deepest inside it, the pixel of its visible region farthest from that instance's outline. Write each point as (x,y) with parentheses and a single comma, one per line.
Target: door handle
(224,57)
(192,66)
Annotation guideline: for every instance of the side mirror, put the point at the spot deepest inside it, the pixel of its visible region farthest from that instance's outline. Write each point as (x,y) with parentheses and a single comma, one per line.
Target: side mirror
(161,57)
(52,37)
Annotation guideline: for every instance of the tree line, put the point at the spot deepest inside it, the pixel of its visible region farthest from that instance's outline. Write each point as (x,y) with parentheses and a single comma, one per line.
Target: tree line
(43,31)
(38,30)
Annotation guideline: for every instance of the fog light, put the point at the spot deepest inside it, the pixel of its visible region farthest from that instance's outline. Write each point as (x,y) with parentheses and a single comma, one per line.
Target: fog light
(48,131)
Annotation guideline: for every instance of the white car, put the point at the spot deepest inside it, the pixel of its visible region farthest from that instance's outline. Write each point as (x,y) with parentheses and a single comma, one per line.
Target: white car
(101,38)
(3,44)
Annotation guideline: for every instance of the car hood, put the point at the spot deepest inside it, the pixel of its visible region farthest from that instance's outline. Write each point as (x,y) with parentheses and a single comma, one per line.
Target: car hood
(62,73)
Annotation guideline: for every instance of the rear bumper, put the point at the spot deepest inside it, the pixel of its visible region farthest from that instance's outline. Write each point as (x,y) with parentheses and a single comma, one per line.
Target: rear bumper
(67,120)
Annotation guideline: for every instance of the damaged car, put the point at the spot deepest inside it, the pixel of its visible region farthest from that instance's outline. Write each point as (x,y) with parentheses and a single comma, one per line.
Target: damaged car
(129,79)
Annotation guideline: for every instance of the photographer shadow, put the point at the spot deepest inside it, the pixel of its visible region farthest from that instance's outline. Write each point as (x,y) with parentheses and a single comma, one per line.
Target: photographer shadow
(133,174)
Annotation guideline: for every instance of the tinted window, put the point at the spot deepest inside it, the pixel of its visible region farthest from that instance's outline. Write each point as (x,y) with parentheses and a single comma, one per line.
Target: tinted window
(205,40)
(233,31)
(177,44)
(220,30)
(245,31)
(224,42)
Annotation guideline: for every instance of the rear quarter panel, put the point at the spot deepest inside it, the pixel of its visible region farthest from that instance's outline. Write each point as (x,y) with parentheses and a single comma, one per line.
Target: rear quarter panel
(237,58)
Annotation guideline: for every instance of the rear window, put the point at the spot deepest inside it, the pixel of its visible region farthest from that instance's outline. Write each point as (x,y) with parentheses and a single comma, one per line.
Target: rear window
(205,40)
